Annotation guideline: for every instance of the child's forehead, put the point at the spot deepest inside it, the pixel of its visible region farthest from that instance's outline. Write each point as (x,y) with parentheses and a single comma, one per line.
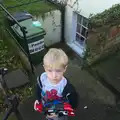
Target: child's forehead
(54,66)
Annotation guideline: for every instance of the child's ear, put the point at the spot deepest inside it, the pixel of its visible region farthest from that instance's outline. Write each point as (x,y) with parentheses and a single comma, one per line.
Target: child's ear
(44,67)
(65,68)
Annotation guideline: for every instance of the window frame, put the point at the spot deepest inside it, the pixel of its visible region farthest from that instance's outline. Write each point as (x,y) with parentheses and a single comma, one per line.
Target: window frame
(80,22)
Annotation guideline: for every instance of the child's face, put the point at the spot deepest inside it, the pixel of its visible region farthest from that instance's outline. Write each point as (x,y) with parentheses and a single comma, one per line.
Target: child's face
(55,75)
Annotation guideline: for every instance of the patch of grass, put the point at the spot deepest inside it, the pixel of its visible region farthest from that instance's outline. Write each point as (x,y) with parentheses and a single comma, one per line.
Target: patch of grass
(35,8)
(10,2)
(7,58)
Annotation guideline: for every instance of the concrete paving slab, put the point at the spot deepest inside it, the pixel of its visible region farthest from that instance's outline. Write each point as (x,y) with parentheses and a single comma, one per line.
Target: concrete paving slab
(88,86)
(16,78)
(94,111)
(109,69)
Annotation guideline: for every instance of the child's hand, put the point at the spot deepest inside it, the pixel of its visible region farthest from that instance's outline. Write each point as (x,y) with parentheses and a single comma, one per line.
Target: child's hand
(35,103)
(52,115)
(38,106)
(69,108)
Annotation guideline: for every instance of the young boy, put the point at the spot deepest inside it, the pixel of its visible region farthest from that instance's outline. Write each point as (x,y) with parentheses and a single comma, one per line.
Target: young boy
(52,85)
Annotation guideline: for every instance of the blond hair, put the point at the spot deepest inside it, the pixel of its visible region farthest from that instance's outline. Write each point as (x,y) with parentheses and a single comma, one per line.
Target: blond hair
(55,58)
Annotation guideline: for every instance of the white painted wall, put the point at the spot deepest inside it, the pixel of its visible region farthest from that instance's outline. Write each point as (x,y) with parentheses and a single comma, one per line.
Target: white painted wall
(53,31)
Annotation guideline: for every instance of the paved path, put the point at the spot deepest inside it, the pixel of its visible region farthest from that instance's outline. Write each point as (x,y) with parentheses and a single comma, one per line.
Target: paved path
(109,69)
(92,94)
(95,100)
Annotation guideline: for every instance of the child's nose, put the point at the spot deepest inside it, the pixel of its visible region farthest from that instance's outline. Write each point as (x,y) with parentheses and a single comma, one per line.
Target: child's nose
(54,74)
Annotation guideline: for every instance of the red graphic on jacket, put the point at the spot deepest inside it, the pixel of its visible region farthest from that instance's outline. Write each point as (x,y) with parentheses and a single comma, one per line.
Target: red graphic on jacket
(51,95)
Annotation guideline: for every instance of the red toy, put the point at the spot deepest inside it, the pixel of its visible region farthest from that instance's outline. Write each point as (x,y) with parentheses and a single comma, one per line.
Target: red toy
(66,107)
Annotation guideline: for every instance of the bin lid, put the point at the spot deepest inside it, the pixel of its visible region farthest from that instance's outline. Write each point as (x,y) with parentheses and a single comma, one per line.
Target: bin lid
(19,16)
(33,28)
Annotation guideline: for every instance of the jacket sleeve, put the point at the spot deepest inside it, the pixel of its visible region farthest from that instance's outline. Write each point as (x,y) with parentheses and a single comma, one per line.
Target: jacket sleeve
(71,94)
(38,93)
(38,90)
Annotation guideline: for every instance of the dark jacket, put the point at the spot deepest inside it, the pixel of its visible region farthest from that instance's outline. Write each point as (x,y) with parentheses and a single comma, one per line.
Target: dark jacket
(69,93)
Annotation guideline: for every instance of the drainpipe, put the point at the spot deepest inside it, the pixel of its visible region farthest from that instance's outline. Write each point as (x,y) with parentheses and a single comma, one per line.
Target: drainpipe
(62,23)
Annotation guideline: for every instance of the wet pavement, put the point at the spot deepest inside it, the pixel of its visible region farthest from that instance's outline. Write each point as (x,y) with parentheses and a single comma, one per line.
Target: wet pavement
(95,101)
(109,70)
(94,111)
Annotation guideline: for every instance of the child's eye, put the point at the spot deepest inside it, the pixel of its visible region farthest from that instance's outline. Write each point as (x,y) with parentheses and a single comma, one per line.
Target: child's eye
(49,70)
(58,70)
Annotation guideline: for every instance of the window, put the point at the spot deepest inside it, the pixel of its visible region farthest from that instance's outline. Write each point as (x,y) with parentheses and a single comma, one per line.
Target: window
(81,30)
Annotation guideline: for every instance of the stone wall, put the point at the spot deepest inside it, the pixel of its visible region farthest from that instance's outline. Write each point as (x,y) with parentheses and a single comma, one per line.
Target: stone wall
(102,43)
